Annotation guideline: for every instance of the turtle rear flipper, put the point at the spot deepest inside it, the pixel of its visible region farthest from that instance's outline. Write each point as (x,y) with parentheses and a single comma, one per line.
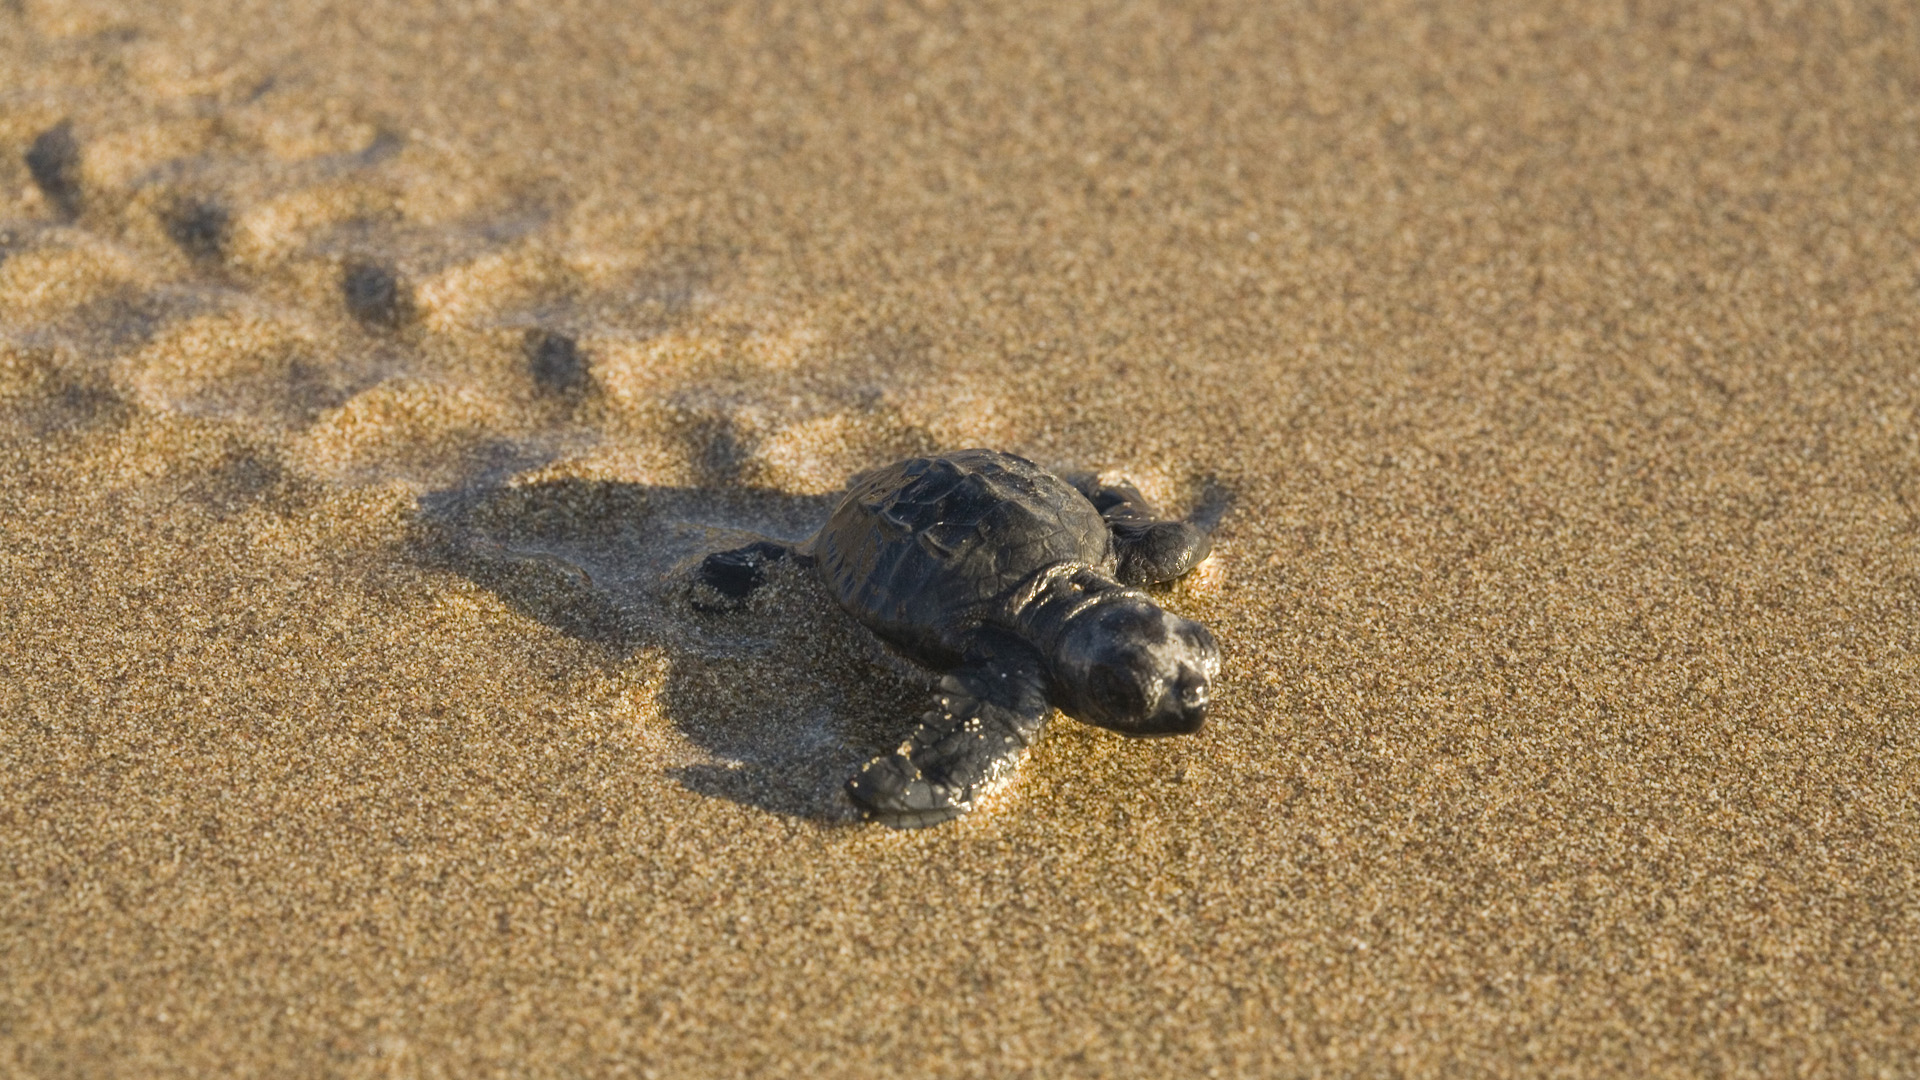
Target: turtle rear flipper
(734,575)
(968,745)
(1150,549)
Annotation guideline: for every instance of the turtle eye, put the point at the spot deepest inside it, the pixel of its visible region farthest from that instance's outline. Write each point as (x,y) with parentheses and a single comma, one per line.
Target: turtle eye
(1141,626)
(1113,692)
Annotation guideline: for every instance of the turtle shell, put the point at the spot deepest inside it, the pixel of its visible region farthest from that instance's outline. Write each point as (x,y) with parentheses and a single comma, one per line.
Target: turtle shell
(920,551)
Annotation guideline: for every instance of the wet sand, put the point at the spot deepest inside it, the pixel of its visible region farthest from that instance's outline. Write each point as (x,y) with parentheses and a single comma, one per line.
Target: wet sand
(370,373)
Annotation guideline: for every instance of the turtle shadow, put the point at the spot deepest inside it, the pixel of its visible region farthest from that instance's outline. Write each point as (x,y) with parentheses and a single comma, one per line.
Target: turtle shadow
(786,697)
(1216,500)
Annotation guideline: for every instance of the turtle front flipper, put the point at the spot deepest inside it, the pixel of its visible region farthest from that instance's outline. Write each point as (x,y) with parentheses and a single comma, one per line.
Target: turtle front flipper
(1150,549)
(989,711)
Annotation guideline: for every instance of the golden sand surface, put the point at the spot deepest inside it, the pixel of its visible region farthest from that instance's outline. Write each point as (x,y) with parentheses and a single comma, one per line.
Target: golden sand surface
(371,372)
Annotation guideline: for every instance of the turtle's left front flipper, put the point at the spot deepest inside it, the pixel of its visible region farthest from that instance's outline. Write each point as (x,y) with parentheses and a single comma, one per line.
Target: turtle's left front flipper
(989,711)
(1152,549)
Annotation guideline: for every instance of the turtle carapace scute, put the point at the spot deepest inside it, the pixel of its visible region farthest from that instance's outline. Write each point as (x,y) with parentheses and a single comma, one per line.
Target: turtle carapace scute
(1018,587)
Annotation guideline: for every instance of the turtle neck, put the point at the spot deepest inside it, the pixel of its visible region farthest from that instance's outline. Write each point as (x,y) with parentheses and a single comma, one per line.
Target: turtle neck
(1043,606)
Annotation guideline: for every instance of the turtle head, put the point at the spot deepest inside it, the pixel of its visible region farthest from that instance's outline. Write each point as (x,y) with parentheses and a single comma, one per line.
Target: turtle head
(1128,666)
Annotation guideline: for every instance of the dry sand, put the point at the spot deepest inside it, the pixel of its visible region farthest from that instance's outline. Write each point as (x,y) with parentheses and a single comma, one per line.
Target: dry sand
(370,371)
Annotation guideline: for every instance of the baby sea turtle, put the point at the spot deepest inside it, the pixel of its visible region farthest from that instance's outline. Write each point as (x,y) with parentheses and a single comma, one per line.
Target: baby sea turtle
(1014,584)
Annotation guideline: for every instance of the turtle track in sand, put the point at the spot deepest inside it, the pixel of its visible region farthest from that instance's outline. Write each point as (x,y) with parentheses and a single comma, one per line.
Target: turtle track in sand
(297,302)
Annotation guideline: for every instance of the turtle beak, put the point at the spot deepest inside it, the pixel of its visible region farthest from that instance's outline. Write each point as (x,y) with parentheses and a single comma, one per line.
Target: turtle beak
(1183,708)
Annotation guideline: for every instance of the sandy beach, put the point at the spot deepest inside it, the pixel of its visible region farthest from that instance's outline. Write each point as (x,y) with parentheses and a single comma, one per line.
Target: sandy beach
(372,374)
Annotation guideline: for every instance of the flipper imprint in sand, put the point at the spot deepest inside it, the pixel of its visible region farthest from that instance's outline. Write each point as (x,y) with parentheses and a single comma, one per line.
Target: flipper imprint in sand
(574,438)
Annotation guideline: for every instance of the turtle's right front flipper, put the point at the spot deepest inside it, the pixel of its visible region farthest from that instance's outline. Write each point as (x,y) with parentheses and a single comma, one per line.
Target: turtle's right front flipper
(989,711)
